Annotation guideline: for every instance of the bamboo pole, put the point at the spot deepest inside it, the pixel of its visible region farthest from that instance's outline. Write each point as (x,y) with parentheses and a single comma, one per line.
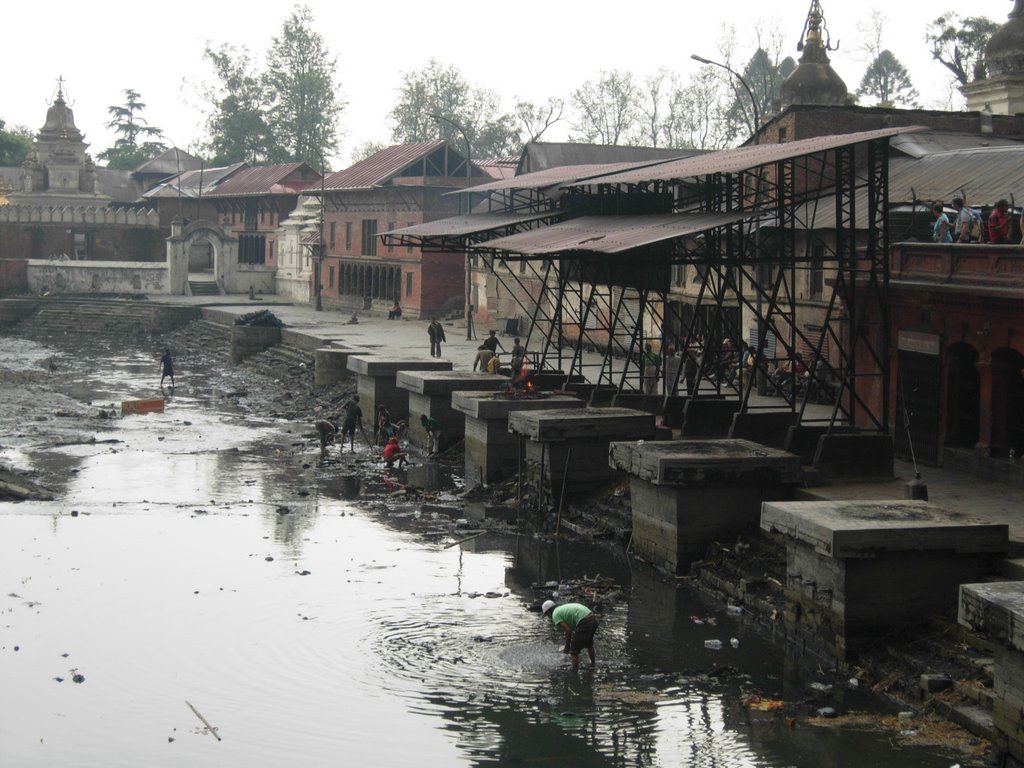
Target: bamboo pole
(205,722)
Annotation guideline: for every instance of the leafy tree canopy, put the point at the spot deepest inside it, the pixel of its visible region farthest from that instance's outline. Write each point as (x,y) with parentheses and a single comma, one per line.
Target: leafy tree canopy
(237,123)
(606,109)
(437,102)
(888,82)
(299,82)
(959,43)
(136,141)
(15,144)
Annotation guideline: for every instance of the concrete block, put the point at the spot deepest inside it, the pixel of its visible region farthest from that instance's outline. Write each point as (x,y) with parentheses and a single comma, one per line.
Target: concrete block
(855,455)
(708,417)
(764,427)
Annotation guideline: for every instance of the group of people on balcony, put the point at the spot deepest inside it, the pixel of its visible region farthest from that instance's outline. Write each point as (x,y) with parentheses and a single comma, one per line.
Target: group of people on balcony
(967,225)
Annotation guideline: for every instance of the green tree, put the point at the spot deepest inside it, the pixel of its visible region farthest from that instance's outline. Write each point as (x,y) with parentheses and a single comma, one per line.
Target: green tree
(136,139)
(606,109)
(15,144)
(765,76)
(365,149)
(959,43)
(237,123)
(888,81)
(299,81)
(695,114)
(434,100)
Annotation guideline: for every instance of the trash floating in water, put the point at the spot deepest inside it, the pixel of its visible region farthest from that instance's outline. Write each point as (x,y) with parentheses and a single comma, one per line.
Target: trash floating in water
(713,645)
(734,610)
(821,687)
(734,642)
(761,705)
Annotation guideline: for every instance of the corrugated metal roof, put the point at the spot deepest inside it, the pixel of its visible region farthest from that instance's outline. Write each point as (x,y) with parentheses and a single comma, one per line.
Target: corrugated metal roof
(466,225)
(169,163)
(982,176)
(265,180)
(610,234)
(380,167)
(929,142)
(744,158)
(565,175)
(543,155)
(192,183)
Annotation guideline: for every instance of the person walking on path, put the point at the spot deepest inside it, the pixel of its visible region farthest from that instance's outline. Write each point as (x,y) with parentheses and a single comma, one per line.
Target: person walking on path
(518,357)
(353,421)
(327,429)
(942,232)
(999,222)
(578,623)
(436,333)
(433,429)
(167,368)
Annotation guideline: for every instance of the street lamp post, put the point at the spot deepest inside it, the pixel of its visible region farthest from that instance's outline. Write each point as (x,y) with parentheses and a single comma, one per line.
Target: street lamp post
(320,234)
(759,271)
(469,209)
(744,83)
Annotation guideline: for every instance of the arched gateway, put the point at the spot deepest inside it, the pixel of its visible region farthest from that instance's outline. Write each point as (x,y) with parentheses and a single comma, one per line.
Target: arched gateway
(180,245)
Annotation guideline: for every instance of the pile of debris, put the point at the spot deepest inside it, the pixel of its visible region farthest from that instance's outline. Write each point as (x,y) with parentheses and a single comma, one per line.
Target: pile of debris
(262,318)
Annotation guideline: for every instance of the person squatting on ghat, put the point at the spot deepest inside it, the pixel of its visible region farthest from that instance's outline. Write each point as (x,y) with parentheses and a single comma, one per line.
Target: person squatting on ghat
(327,429)
(578,623)
(487,350)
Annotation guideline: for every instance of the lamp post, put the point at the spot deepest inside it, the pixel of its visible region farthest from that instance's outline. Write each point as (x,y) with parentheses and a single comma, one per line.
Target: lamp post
(759,271)
(744,83)
(469,209)
(320,234)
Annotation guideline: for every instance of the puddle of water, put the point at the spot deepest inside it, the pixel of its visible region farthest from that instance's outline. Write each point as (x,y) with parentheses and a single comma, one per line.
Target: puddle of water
(211,567)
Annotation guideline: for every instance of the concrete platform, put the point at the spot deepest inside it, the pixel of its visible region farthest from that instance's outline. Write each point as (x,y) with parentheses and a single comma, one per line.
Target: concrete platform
(688,494)
(859,570)
(430,394)
(376,377)
(569,447)
(330,365)
(997,610)
(491,450)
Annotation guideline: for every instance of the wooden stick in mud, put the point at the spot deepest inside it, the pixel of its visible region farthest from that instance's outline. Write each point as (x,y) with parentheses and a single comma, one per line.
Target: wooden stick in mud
(205,722)
(561,497)
(463,541)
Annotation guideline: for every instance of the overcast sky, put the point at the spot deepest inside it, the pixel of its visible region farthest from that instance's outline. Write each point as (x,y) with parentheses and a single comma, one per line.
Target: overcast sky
(523,49)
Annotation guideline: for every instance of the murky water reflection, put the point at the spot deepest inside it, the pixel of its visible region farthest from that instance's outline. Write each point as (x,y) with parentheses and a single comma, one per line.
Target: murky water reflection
(206,564)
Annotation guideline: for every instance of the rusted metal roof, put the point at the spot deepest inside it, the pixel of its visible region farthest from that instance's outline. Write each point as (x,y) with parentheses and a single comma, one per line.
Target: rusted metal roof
(192,183)
(981,175)
(379,168)
(743,158)
(565,175)
(456,226)
(280,179)
(610,234)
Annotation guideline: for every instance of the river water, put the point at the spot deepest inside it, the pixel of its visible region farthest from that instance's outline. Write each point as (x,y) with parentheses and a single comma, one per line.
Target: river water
(198,562)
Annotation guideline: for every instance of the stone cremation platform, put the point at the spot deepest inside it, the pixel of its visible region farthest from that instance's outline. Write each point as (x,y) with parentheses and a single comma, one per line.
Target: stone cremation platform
(568,447)
(860,570)
(330,365)
(492,452)
(430,394)
(997,611)
(376,377)
(688,494)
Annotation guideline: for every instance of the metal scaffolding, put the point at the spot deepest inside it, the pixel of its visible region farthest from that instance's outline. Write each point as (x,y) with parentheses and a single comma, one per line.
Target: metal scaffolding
(600,267)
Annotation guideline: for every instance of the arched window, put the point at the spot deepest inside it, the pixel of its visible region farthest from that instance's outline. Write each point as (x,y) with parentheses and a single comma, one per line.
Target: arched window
(963,396)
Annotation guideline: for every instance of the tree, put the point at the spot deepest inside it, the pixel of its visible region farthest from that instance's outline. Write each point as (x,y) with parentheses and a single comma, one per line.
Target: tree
(434,100)
(959,43)
(299,80)
(606,111)
(888,81)
(696,113)
(135,142)
(15,144)
(237,124)
(366,149)
(765,75)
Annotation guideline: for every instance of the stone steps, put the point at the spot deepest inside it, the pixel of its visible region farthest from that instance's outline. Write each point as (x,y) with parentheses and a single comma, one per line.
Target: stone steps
(107,316)
(203,288)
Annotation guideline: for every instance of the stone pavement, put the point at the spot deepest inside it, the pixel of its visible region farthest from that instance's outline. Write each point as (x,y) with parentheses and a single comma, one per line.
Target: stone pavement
(983,499)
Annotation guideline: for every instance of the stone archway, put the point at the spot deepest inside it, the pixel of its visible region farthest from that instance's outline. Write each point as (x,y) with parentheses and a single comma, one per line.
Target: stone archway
(1007,402)
(179,246)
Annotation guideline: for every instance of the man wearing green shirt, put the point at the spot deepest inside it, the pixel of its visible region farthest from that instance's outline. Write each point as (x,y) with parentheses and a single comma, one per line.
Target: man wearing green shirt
(433,429)
(578,623)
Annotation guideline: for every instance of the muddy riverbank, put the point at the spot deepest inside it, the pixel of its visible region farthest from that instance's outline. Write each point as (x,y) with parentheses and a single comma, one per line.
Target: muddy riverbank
(203,555)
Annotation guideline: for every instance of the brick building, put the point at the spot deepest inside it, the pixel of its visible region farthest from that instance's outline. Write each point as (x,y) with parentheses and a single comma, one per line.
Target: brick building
(400,186)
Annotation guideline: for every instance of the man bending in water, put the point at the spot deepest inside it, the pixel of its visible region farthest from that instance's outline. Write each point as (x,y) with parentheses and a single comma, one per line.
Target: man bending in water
(578,623)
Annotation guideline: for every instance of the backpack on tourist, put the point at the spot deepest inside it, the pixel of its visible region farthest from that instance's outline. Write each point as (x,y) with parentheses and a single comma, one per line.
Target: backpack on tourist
(976,228)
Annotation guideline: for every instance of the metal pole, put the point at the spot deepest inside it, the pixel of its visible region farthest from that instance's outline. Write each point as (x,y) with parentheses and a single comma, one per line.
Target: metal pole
(469,210)
(320,244)
(750,91)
